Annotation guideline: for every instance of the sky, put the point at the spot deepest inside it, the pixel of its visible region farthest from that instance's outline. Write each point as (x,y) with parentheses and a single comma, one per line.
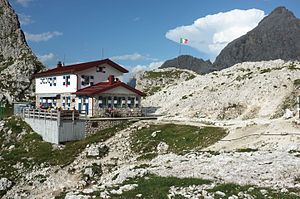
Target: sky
(138,34)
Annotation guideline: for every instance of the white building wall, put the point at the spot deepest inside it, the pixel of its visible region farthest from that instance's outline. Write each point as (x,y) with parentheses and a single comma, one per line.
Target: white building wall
(46,85)
(98,76)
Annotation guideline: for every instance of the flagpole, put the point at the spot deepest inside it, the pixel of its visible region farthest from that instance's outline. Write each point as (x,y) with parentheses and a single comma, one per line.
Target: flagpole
(179,53)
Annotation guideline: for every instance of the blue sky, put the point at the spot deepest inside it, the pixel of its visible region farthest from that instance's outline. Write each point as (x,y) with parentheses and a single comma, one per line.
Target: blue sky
(136,33)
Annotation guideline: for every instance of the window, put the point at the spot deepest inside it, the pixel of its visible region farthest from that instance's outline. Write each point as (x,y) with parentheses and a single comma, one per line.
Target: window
(100,69)
(85,80)
(131,101)
(109,102)
(67,80)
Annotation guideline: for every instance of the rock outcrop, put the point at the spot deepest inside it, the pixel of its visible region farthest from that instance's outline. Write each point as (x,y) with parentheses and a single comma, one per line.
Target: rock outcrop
(247,90)
(156,80)
(190,63)
(276,37)
(17,62)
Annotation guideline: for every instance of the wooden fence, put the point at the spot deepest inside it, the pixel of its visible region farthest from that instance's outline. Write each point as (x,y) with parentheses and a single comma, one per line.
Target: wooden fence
(51,115)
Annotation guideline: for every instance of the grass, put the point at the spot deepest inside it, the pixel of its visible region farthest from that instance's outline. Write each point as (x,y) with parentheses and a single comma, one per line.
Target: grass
(266,70)
(6,111)
(157,187)
(152,90)
(290,102)
(165,74)
(153,186)
(246,150)
(233,189)
(30,150)
(180,138)
(297,83)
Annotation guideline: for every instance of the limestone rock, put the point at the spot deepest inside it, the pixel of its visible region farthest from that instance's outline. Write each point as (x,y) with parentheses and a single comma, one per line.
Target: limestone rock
(162,147)
(190,63)
(276,37)
(5,184)
(17,61)
(288,114)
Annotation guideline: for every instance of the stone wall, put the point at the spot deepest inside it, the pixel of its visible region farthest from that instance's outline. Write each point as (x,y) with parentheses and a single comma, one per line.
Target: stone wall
(92,126)
(117,112)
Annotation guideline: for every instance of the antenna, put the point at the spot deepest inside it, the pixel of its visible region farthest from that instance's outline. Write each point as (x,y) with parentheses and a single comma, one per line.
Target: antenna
(64,59)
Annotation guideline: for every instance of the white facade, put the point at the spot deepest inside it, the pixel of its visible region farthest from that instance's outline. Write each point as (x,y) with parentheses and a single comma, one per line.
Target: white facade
(56,84)
(97,76)
(70,83)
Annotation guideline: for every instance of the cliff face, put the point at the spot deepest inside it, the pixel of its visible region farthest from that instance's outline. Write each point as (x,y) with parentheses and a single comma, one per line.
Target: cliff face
(276,37)
(17,61)
(190,63)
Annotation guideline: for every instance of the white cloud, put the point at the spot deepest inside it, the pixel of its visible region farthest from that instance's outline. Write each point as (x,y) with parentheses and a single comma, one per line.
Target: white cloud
(210,34)
(133,57)
(46,57)
(24,3)
(25,19)
(42,36)
(151,66)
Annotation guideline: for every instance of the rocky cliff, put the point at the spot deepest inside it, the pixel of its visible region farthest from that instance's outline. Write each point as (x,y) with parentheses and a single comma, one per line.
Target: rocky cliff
(276,37)
(190,63)
(17,61)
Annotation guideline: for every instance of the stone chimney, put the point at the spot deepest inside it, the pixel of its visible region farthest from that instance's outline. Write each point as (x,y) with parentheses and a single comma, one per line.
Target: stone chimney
(59,64)
(111,79)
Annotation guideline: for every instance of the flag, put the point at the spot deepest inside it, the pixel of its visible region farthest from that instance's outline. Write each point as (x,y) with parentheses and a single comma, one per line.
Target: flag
(184,41)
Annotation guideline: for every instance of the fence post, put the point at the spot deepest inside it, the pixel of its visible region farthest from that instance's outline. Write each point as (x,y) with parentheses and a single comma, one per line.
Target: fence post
(58,118)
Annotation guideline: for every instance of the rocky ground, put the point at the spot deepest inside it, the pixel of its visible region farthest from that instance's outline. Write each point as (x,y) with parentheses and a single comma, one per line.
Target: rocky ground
(269,162)
(258,158)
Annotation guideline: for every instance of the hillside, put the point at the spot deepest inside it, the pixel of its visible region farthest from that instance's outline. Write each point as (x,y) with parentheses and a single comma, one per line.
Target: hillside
(276,37)
(17,62)
(189,63)
(248,90)
(156,80)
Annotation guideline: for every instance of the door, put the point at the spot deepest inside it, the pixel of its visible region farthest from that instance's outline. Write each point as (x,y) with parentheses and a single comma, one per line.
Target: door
(87,105)
(79,104)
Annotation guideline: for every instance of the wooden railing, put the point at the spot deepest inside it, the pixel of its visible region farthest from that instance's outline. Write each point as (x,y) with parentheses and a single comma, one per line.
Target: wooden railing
(51,114)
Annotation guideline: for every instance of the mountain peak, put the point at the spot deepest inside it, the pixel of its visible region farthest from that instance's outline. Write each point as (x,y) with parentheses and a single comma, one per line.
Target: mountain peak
(276,37)
(190,63)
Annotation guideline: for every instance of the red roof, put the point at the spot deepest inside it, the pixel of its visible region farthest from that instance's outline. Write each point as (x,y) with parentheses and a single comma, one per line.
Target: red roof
(79,67)
(105,86)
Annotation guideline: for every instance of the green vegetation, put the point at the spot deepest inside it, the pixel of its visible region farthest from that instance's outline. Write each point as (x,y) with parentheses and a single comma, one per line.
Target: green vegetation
(232,189)
(174,74)
(157,187)
(6,111)
(292,66)
(179,138)
(246,150)
(152,90)
(153,186)
(184,97)
(297,83)
(266,70)
(247,75)
(290,102)
(21,146)
(163,74)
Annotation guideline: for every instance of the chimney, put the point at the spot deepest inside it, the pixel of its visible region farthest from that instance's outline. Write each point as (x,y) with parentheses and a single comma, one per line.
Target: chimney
(59,64)
(111,79)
